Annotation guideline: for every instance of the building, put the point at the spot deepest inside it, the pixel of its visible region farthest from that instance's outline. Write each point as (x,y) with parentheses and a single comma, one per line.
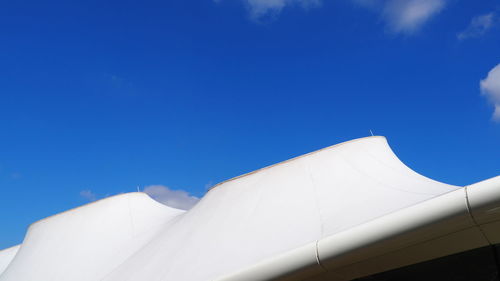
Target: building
(352,211)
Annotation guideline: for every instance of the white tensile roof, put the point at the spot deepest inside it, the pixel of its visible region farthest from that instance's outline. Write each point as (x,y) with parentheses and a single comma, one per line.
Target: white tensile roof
(326,214)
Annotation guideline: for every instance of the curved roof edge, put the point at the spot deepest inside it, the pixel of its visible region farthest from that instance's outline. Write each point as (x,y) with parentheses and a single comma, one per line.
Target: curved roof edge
(112,197)
(295,158)
(10,248)
(320,150)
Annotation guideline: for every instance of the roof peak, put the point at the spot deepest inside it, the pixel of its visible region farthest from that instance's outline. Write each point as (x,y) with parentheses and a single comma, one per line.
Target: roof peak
(297,157)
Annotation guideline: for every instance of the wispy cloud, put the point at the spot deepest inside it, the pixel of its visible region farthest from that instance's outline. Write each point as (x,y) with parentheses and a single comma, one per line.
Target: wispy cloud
(260,9)
(401,16)
(410,15)
(88,195)
(405,16)
(490,87)
(179,199)
(478,26)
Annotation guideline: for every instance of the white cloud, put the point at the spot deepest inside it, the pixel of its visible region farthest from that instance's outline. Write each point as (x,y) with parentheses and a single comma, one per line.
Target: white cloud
(408,16)
(260,9)
(404,16)
(490,87)
(478,26)
(179,199)
(88,195)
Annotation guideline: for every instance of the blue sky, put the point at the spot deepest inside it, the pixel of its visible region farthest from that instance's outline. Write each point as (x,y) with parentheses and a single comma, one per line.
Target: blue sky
(99,97)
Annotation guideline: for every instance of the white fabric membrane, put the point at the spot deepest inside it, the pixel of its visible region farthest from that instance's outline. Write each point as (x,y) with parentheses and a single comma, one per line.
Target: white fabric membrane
(238,223)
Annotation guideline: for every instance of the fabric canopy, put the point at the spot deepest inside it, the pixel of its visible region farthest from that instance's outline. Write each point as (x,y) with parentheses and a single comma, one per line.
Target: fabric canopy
(237,224)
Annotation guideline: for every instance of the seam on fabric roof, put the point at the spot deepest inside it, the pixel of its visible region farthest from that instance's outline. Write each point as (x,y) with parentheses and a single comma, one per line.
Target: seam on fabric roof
(259,196)
(11,260)
(469,210)
(382,184)
(160,231)
(392,169)
(295,158)
(399,209)
(131,218)
(315,194)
